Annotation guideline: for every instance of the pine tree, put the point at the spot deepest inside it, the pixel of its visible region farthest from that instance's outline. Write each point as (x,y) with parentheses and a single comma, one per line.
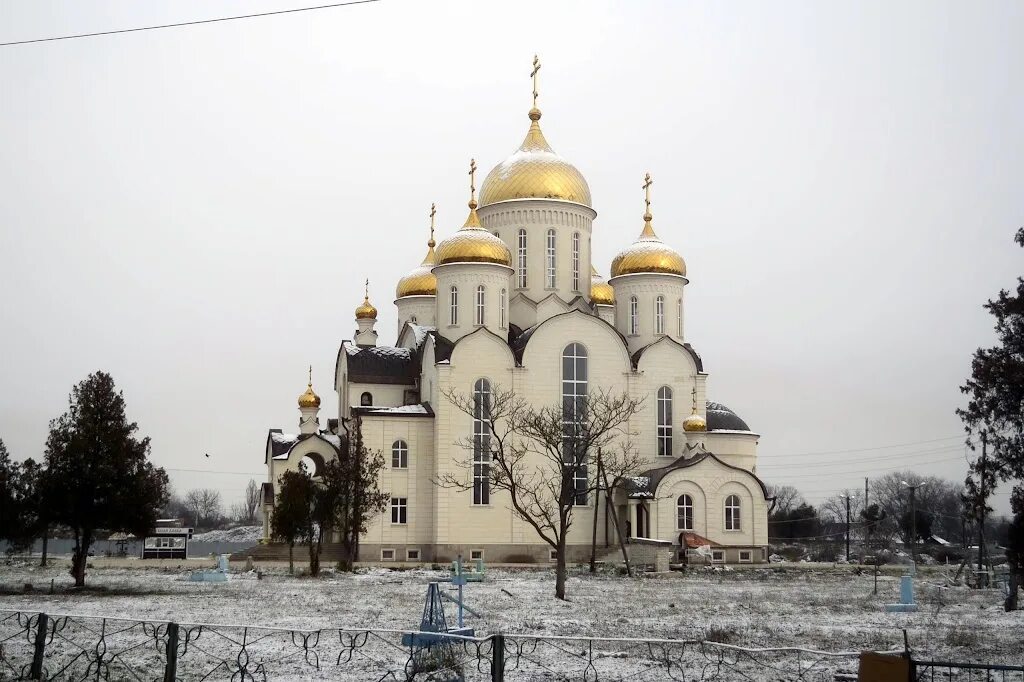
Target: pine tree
(995,393)
(291,520)
(98,473)
(353,492)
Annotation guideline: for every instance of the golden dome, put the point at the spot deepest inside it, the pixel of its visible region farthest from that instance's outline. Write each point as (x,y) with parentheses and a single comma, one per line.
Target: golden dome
(694,422)
(309,398)
(648,254)
(601,293)
(473,244)
(421,281)
(534,171)
(365,310)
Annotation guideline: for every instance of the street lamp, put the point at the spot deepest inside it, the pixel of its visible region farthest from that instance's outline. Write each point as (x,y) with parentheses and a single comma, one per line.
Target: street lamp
(913,518)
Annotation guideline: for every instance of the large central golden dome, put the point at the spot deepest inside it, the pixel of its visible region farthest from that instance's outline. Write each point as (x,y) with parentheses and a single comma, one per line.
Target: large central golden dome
(534,171)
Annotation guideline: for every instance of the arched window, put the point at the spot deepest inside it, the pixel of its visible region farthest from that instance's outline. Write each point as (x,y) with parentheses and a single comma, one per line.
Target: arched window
(575,261)
(366,399)
(481,442)
(412,319)
(732,512)
(574,405)
(659,315)
(399,455)
(679,318)
(633,315)
(454,300)
(684,513)
(522,258)
(480,304)
(502,304)
(665,421)
(550,281)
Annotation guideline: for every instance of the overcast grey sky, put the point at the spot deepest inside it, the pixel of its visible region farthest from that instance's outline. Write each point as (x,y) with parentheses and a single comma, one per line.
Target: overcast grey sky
(194,209)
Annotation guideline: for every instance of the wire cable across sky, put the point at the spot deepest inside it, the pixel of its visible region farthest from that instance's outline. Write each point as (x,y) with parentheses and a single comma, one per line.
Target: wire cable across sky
(188,23)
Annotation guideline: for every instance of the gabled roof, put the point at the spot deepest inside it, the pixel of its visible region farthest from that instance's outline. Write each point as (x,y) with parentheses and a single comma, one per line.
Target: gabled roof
(279,445)
(380,365)
(420,410)
(646,484)
(668,339)
(519,343)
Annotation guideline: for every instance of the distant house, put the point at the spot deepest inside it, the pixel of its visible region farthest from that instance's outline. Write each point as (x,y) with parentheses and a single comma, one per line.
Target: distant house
(169,540)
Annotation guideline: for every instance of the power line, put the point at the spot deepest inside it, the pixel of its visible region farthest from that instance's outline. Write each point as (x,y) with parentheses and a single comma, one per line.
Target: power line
(877,447)
(208,471)
(880,458)
(866,471)
(188,23)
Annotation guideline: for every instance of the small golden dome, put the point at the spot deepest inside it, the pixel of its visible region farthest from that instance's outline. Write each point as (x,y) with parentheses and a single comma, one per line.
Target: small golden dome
(421,281)
(648,254)
(601,293)
(473,244)
(694,422)
(309,398)
(365,310)
(534,171)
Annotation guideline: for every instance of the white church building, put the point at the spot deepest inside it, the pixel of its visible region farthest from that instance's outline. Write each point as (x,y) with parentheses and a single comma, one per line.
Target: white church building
(513,300)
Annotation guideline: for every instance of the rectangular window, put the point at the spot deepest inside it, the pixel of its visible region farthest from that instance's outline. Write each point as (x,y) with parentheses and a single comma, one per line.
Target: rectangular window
(522,259)
(659,315)
(634,309)
(454,305)
(399,455)
(718,556)
(551,260)
(481,442)
(475,554)
(575,261)
(553,555)
(502,304)
(399,510)
(412,555)
(480,304)
(387,555)
(745,556)
(679,318)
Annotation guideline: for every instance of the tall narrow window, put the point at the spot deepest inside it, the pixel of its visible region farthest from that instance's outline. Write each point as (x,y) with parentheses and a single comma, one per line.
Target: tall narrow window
(399,455)
(732,512)
(454,305)
(575,261)
(550,282)
(522,259)
(633,314)
(502,304)
(684,513)
(679,318)
(480,304)
(399,509)
(481,442)
(665,421)
(574,405)
(659,315)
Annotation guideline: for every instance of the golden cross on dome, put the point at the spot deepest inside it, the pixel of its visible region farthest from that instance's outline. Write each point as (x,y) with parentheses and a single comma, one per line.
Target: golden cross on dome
(694,394)
(533,74)
(472,180)
(433,212)
(647,191)
(311,375)
(366,292)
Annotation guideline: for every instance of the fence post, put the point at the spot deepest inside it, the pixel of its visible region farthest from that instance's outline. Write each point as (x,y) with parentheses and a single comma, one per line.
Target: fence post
(171,669)
(498,658)
(42,625)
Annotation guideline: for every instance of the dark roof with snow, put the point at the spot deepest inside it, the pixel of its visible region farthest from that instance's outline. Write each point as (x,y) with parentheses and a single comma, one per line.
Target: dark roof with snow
(381,365)
(646,484)
(418,410)
(721,418)
(686,346)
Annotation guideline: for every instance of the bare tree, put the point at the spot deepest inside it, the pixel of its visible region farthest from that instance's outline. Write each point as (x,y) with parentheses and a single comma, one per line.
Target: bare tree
(204,504)
(545,458)
(787,498)
(247,511)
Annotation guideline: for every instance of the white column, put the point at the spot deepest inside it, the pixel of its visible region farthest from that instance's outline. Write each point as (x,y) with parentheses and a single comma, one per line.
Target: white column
(632,518)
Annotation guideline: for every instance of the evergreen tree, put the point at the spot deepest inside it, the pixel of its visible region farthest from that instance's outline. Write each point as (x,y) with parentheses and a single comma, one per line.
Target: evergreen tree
(98,473)
(352,495)
(995,394)
(291,519)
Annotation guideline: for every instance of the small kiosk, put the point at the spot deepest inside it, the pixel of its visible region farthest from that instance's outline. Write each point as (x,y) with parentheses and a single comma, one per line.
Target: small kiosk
(169,540)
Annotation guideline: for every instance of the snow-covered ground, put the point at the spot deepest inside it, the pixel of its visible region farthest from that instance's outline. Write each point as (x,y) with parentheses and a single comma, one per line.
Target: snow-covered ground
(240,534)
(819,608)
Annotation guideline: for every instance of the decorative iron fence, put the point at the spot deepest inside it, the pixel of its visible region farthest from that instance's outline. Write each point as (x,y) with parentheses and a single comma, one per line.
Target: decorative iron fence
(965,672)
(39,646)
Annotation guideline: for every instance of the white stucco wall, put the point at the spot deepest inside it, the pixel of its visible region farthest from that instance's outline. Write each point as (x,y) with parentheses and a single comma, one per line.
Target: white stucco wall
(646,288)
(467,277)
(422,308)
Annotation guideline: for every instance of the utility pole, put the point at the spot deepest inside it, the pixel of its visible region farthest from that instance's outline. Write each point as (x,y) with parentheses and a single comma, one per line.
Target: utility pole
(847,498)
(981,523)
(866,503)
(913,519)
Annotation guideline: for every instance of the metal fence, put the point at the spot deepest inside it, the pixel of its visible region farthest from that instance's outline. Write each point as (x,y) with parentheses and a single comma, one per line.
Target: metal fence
(39,646)
(922,671)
